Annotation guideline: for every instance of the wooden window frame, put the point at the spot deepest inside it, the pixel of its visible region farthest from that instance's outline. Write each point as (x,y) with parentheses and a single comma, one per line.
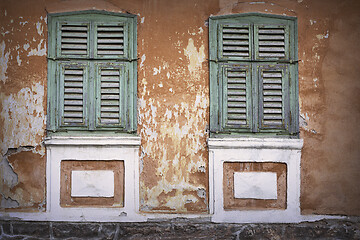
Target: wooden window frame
(126,62)
(286,63)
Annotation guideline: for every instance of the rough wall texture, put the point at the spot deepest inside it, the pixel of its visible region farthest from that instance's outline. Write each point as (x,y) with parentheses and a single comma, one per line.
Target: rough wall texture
(179,229)
(23,71)
(173,98)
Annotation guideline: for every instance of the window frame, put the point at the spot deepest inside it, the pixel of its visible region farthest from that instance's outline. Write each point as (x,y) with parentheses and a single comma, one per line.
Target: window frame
(217,80)
(127,61)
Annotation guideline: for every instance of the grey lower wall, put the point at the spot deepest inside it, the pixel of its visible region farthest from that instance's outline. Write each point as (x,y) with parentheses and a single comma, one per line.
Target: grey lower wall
(180,229)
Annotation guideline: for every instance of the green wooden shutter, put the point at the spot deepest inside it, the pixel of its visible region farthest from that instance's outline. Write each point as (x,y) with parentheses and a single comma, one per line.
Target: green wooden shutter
(267,46)
(73,39)
(273,97)
(237,97)
(92,72)
(271,42)
(110,95)
(110,40)
(72,94)
(235,41)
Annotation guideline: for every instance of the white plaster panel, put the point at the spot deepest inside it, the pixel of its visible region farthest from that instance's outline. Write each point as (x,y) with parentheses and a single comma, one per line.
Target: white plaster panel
(286,151)
(256,185)
(115,148)
(93,183)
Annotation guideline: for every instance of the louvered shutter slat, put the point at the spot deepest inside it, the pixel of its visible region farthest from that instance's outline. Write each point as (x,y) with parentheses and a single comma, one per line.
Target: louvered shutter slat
(110,40)
(236,98)
(74,39)
(110,96)
(272,96)
(73,95)
(271,42)
(235,41)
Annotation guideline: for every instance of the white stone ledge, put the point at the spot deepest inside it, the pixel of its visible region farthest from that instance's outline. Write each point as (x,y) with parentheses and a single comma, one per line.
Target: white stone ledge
(118,141)
(255,143)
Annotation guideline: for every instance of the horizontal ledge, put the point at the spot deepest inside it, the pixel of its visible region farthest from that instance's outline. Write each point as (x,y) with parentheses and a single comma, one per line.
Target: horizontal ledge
(126,141)
(255,143)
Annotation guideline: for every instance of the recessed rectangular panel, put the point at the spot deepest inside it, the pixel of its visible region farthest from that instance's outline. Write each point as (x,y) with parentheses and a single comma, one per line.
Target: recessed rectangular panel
(93,183)
(255,185)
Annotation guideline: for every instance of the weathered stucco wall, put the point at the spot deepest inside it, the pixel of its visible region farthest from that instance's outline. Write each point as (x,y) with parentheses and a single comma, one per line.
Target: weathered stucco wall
(23,69)
(173,99)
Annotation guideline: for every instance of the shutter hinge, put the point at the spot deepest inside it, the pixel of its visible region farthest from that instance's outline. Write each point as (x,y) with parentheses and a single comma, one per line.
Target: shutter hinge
(290,61)
(65,59)
(211,60)
(130,60)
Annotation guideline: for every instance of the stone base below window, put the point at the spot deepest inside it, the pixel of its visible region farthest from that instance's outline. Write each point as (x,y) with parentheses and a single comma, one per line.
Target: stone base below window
(254,180)
(93,179)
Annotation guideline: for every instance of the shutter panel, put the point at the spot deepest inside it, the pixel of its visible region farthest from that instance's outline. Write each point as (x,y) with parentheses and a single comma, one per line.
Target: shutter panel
(110,40)
(235,41)
(73,89)
(271,42)
(236,95)
(109,96)
(273,97)
(74,39)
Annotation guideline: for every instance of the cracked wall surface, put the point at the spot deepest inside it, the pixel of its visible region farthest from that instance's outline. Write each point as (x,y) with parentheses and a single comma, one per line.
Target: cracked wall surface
(22,105)
(173,99)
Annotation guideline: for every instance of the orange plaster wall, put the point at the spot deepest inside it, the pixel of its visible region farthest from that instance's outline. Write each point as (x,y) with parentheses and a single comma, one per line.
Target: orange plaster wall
(173,94)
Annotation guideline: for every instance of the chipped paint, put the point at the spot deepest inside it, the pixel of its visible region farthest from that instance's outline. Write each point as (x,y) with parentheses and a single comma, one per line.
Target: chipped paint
(8,177)
(196,57)
(39,28)
(322,36)
(25,170)
(143,58)
(39,51)
(257,3)
(4,59)
(180,159)
(26,46)
(18,60)
(24,118)
(157,71)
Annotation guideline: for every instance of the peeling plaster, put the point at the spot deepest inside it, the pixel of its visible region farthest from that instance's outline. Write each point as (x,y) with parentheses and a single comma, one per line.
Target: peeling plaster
(8,177)
(18,59)
(322,36)
(20,189)
(157,71)
(24,118)
(8,202)
(196,58)
(143,58)
(26,46)
(304,123)
(177,150)
(4,59)
(256,2)
(39,51)
(39,28)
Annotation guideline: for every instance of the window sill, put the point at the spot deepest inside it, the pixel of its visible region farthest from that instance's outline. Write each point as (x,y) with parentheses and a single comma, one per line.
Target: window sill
(128,141)
(257,143)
